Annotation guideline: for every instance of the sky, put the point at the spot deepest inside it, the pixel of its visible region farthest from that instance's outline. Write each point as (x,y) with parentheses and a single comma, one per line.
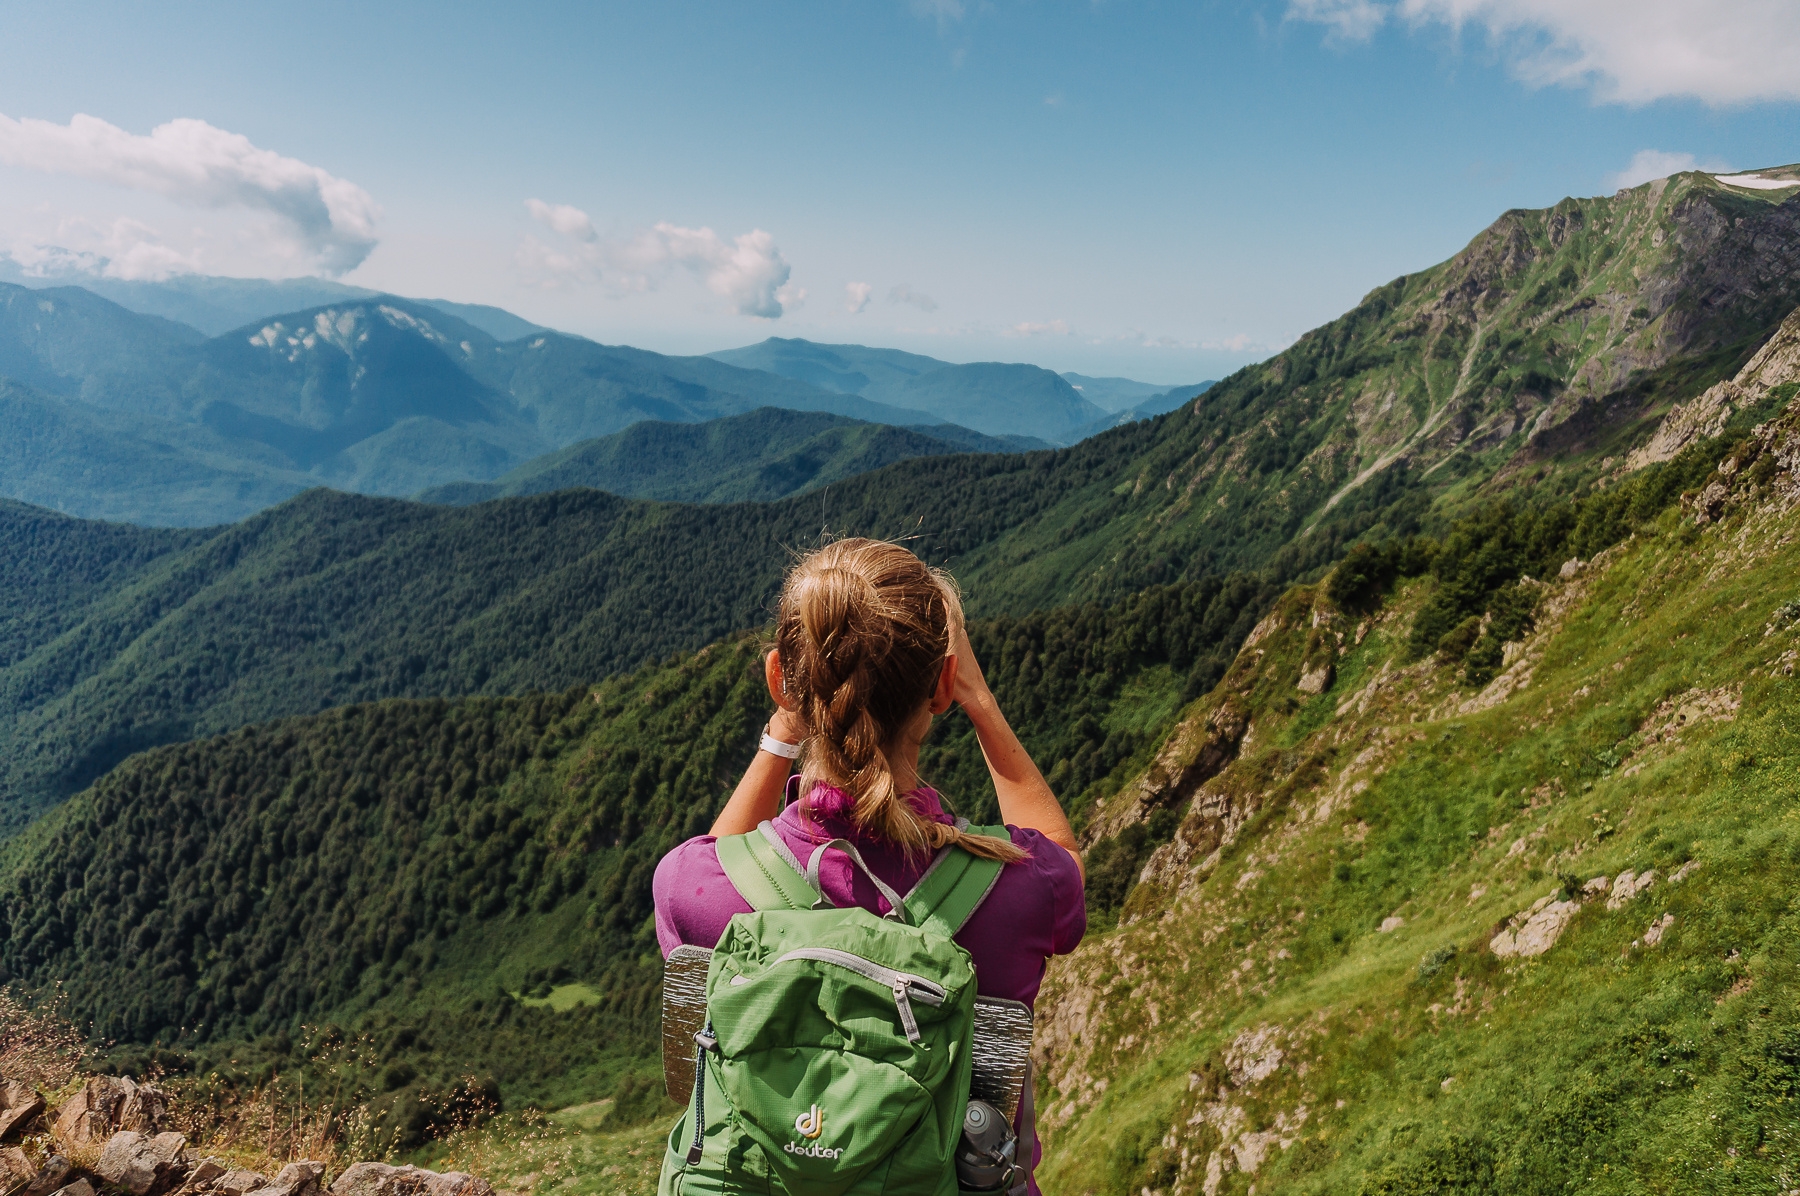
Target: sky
(1161,191)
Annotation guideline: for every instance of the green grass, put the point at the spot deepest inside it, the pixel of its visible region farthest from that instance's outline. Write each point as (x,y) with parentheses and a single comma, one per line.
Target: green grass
(1597,1065)
(564,997)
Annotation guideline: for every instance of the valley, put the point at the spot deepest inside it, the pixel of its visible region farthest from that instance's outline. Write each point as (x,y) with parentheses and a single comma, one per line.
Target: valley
(1424,697)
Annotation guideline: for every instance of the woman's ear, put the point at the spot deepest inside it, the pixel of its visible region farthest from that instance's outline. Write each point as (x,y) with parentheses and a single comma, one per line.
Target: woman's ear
(777,684)
(945,692)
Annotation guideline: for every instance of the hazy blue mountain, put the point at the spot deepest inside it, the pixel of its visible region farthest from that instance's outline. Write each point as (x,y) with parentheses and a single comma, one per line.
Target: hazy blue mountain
(217,305)
(759,456)
(990,397)
(1156,404)
(996,398)
(61,453)
(379,395)
(848,369)
(1113,394)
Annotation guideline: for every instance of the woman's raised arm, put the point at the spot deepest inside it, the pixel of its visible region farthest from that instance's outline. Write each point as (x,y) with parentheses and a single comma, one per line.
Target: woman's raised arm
(1025,797)
(758,796)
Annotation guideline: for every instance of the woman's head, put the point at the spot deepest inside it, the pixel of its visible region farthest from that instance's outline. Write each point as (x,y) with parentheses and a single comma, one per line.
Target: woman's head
(863,635)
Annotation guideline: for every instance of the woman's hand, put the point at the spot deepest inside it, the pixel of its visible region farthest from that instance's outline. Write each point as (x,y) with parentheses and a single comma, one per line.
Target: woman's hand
(971,688)
(787,725)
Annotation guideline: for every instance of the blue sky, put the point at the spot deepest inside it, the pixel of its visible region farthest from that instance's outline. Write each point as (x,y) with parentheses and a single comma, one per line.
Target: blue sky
(1159,190)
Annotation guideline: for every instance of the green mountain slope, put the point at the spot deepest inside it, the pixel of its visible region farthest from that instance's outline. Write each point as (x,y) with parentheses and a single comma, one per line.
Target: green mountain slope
(1529,932)
(757,457)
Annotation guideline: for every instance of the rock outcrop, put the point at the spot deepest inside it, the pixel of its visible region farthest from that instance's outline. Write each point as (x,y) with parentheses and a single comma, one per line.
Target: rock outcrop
(107,1104)
(19,1105)
(1777,362)
(380,1179)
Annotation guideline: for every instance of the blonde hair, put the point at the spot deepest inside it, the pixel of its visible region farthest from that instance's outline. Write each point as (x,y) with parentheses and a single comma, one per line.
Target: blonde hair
(863,629)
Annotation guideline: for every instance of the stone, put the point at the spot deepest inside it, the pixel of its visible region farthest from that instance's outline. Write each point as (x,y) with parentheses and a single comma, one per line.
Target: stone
(1629,885)
(139,1164)
(107,1104)
(19,1103)
(80,1187)
(295,1179)
(1538,933)
(1316,680)
(51,1177)
(1391,924)
(203,1172)
(1654,935)
(16,1167)
(237,1181)
(382,1179)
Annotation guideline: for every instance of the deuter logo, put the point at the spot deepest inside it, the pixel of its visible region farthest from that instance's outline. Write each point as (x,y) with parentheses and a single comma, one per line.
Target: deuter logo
(809,1125)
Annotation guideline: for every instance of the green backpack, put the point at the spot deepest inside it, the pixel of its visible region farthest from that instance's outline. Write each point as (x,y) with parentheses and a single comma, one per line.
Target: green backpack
(836,1054)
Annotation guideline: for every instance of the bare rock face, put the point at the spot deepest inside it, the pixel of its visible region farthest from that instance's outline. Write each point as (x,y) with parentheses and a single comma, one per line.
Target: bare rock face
(106,1105)
(1778,361)
(140,1164)
(380,1179)
(295,1179)
(19,1103)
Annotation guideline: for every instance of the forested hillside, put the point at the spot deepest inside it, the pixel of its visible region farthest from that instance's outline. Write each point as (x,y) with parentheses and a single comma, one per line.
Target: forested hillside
(760,456)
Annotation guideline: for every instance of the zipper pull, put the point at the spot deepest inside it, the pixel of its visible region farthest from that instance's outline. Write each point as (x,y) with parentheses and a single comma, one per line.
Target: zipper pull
(903,1002)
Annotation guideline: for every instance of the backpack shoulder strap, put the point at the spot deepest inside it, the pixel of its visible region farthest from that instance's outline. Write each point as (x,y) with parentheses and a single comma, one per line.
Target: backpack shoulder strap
(764,872)
(955,885)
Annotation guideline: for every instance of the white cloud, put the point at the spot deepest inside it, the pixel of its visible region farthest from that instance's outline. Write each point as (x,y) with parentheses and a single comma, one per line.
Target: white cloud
(1048,328)
(747,271)
(1628,51)
(856,296)
(567,220)
(1649,164)
(1349,20)
(904,293)
(329,220)
(942,11)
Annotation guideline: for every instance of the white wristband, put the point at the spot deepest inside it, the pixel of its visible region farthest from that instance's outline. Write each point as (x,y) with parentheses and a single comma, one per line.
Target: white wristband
(775,747)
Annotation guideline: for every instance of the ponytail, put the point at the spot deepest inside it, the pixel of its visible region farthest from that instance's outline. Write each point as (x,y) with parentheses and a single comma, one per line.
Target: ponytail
(862,630)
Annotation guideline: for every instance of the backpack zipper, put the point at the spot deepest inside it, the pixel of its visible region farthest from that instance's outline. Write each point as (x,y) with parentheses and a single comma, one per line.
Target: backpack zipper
(906,986)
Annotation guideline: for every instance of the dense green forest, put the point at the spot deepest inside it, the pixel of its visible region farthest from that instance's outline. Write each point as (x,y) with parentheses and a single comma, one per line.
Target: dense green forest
(759,456)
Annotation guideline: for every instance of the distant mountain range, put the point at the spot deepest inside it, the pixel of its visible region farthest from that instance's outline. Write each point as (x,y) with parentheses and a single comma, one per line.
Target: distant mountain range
(760,456)
(152,416)
(991,397)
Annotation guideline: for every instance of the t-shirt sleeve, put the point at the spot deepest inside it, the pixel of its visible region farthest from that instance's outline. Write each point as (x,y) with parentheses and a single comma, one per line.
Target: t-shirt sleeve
(1058,876)
(693,897)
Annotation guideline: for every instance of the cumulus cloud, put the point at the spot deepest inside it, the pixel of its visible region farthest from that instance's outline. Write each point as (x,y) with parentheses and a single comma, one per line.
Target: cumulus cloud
(1047,328)
(1628,51)
(856,296)
(905,294)
(569,221)
(1649,164)
(329,220)
(747,271)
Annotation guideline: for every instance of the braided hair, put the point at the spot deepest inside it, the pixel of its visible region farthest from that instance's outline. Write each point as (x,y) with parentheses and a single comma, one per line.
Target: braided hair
(863,629)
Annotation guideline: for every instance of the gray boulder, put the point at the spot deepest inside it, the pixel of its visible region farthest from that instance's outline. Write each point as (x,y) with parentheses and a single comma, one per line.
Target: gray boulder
(295,1179)
(56,1174)
(381,1179)
(142,1165)
(80,1187)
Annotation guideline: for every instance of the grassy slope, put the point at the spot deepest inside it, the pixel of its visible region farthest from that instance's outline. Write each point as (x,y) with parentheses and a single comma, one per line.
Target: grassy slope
(1251,1024)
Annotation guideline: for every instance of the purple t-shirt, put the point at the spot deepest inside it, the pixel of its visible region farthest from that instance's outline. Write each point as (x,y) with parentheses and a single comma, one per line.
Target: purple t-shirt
(1036,909)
